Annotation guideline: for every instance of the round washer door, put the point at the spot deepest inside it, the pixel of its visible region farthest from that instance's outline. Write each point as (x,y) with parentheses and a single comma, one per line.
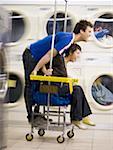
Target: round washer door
(15,90)
(103,30)
(18,26)
(60,20)
(102,92)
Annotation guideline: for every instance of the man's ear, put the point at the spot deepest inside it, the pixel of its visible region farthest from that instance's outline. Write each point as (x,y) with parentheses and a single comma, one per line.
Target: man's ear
(81,31)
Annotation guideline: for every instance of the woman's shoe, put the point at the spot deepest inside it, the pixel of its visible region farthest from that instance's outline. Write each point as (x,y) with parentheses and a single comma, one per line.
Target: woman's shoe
(79,124)
(88,121)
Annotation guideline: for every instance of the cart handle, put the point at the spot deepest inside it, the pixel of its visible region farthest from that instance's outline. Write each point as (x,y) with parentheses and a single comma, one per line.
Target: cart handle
(70,81)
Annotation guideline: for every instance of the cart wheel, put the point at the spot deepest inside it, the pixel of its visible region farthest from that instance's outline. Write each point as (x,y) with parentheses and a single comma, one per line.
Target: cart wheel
(70,134)
(60,139)
(41,132)
(29,137)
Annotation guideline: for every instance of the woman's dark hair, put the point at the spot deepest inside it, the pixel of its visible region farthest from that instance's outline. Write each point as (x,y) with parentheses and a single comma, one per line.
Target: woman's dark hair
(82,25)
(72,49)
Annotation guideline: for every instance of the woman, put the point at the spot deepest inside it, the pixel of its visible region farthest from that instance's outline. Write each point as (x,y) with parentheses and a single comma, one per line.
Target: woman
(80,109)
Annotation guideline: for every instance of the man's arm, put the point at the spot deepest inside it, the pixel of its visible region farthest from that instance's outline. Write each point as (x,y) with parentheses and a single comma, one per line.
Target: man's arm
(44,60)
(46,71)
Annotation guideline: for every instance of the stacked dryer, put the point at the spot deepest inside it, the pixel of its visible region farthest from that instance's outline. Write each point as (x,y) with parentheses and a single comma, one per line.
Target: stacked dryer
(34,20)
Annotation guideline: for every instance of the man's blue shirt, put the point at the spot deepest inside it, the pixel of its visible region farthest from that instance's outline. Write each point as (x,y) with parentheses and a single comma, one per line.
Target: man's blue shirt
(62,41)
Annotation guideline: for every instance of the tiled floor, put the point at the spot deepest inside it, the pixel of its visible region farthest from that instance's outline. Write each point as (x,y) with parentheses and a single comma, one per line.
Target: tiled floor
(99,137)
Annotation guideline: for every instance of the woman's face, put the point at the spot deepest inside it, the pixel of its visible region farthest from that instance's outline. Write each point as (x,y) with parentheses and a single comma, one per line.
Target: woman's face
(75,55)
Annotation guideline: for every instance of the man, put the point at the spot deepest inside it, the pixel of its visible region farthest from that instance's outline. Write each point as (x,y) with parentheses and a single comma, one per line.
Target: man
(81,32)
(38,54)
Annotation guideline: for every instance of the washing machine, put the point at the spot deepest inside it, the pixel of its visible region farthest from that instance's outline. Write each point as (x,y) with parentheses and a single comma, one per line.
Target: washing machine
(30,22)
(21,35)
(34,20)
(96,70)
(4,27)
(4,36)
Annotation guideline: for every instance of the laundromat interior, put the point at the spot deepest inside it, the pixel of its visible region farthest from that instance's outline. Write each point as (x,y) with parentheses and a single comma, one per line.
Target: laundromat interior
(28,21)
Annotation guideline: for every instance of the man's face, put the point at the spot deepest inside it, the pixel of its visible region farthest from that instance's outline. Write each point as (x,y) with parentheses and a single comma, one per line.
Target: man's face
(86,34)
(75,55)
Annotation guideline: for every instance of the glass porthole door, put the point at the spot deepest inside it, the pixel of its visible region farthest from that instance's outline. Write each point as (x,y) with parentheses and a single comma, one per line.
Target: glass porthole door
(102,90)
(103,30)
(60,18)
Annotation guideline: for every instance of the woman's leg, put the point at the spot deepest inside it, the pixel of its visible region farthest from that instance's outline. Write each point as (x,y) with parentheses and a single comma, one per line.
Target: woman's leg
(79,105)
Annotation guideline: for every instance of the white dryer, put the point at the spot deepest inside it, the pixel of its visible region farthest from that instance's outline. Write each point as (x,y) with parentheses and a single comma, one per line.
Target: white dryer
(19,37)
(33,20)
(97,62)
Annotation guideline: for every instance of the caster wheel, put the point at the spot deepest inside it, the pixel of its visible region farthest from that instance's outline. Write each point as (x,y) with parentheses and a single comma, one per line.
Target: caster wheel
(41,132)
(60,139)
(29,137)
(70,134)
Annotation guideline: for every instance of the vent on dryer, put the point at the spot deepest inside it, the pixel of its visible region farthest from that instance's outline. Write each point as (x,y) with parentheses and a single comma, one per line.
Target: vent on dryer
(60,19)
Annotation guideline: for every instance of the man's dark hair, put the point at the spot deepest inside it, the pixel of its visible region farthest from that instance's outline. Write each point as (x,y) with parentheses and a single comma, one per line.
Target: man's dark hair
(72,49)
(82,25)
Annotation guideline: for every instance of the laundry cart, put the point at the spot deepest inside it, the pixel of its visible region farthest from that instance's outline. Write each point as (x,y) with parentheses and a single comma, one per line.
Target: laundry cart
(48,97)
